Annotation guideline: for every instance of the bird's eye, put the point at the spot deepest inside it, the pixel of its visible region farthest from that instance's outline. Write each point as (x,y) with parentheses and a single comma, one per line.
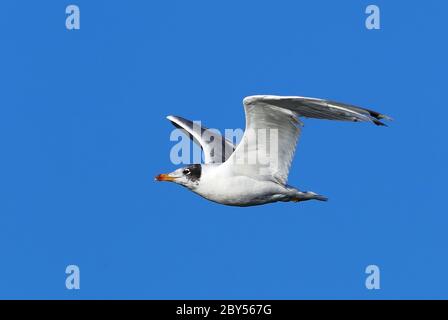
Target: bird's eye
(186,171)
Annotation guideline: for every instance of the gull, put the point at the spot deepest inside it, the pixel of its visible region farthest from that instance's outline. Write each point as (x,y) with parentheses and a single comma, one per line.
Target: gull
(229,174)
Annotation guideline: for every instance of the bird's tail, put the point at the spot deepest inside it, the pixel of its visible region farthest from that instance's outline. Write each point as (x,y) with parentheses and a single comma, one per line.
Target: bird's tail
(308,195)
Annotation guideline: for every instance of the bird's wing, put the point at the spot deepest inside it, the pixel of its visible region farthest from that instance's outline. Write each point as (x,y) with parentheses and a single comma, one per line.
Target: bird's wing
(216,148)
(273,128)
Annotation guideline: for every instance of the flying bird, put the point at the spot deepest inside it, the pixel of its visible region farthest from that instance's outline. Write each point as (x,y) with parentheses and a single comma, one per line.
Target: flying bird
(238,175)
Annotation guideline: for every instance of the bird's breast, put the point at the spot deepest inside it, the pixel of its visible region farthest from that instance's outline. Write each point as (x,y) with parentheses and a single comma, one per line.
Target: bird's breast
(236,190)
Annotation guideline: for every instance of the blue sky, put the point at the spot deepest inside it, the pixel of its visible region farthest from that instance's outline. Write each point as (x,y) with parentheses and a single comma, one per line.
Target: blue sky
(83,132)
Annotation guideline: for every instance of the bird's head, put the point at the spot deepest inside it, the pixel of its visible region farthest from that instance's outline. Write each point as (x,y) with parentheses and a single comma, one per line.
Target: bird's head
(188,176)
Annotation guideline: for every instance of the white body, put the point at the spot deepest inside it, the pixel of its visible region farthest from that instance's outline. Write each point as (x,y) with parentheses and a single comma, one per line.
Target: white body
(217,185)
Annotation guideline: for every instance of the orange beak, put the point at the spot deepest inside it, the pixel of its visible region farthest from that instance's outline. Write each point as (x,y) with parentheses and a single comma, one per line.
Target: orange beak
(164,177)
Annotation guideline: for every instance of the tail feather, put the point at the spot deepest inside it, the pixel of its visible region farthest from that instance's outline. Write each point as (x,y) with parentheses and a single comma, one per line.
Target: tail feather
(319,197)
(305,196)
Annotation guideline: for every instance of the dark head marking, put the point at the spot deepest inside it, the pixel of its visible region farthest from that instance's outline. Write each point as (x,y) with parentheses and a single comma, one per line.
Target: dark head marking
(193,172)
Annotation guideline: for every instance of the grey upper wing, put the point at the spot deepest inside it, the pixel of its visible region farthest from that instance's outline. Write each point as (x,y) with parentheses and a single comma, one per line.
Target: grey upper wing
(319,108)
(216,148)
(280,116)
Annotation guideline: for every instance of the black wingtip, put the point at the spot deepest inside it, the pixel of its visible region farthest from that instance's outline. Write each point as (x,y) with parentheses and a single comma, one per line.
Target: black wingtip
(379,123)
(379,116)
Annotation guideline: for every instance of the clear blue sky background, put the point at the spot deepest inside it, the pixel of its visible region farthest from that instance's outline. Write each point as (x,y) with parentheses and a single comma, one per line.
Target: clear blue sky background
(83,132)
